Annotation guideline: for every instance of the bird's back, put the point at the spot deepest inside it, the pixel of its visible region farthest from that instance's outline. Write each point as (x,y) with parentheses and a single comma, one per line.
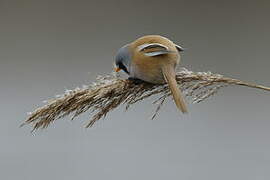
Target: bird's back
(148,68)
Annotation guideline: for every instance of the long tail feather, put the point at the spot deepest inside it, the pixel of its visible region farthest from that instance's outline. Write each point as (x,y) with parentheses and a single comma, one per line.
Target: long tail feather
(169,75)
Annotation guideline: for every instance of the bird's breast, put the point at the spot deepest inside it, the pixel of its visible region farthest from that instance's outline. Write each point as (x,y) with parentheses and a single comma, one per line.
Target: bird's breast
(152,75)
(149,69)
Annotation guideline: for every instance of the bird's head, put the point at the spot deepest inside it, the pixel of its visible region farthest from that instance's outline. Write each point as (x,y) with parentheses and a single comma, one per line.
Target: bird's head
(123,59)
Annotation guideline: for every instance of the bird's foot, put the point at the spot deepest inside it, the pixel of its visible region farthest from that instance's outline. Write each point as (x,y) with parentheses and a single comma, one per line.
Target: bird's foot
(135,80)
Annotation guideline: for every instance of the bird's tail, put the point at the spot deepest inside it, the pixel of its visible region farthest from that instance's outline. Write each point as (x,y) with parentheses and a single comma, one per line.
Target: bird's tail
(169,75)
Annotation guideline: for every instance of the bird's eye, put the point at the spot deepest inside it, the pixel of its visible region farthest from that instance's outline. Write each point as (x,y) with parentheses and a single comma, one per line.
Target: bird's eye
(123,67)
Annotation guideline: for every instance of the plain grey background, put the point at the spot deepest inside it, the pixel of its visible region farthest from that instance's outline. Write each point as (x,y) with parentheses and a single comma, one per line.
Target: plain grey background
(49,46)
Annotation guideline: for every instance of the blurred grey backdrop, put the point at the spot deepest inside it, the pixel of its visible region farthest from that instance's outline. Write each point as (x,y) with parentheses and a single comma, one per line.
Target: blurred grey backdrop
(49,46)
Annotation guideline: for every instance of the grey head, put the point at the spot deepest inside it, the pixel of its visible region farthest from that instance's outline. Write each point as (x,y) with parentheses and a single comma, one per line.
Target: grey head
(123,59)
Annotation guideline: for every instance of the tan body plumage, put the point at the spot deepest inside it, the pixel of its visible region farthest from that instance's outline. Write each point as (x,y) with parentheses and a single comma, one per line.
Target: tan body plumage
(149,68)
(154,59)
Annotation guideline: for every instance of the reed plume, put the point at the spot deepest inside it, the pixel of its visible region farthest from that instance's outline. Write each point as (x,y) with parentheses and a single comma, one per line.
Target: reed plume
(110,91)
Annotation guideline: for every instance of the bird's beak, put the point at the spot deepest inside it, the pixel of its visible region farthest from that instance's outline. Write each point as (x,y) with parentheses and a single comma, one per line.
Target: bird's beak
(117,69)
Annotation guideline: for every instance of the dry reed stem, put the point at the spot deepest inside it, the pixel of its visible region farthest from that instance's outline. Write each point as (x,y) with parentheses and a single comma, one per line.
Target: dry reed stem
(108,92)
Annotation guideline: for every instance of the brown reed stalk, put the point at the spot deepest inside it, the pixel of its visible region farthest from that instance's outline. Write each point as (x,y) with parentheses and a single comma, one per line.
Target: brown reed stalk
(108,92)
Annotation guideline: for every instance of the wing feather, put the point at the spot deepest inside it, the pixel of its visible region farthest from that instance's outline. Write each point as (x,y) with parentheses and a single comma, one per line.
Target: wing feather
(154,49)
(179,48)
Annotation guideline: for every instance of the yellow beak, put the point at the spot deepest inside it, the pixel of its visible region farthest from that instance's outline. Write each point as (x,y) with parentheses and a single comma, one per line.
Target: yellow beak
(117,69)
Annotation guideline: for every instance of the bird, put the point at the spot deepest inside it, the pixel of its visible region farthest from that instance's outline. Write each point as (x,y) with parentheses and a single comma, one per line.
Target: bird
(153,59)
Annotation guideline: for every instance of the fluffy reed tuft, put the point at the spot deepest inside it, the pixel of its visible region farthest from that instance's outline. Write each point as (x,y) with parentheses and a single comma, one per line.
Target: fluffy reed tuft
(108,92)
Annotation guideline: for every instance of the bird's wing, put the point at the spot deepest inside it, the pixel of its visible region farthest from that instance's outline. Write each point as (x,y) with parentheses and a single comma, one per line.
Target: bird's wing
(154,49)
(179,48)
